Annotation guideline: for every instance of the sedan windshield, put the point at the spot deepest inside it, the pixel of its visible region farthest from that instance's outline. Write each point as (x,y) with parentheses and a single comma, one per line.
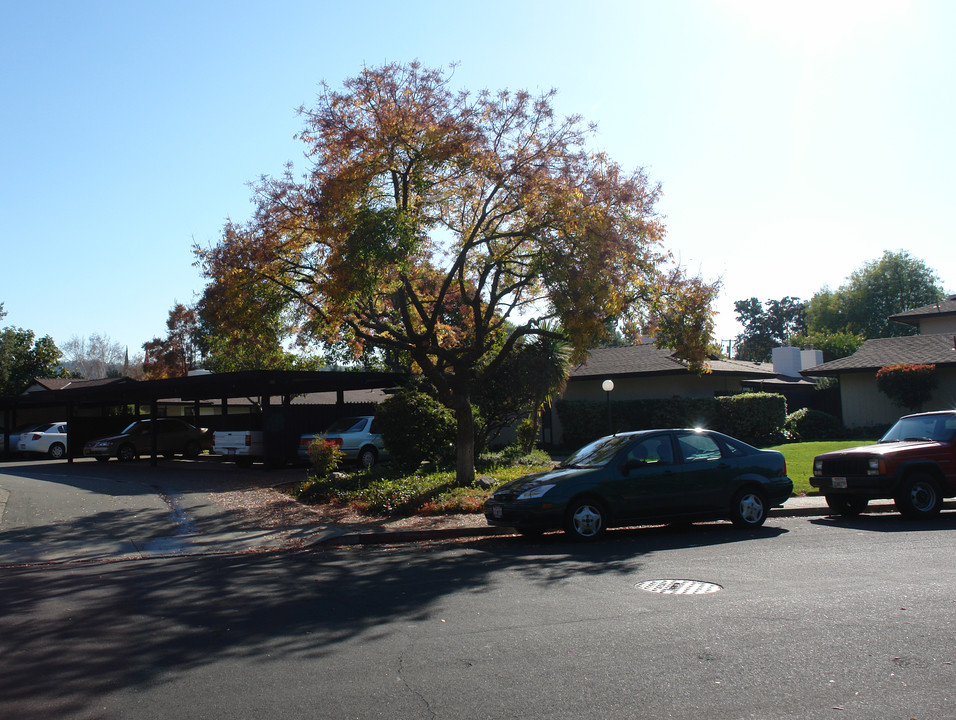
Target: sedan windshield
(599,453)
(941,428)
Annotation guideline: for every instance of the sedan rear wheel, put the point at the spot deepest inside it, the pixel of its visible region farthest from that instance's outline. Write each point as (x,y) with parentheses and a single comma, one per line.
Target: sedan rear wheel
(367,458)
(749,508)
(57,451)
(586,519)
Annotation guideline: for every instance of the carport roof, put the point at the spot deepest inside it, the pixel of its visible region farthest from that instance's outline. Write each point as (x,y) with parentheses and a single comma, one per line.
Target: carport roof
(250,383)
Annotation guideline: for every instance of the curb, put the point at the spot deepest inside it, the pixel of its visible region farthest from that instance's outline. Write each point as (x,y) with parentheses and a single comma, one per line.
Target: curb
(410,536)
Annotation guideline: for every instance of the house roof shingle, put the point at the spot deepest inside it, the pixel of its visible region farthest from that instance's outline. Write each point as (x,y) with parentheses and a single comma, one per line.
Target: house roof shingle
(880,352)
(649,359)
(913,317)
(63,383)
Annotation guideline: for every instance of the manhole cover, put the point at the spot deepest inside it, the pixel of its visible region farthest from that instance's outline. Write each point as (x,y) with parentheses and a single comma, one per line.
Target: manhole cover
(679,587)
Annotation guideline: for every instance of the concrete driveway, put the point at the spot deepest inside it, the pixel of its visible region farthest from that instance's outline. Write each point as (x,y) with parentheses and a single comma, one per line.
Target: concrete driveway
(59,512)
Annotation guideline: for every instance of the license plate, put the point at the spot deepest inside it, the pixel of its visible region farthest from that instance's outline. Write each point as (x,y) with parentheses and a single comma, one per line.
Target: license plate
(497,512)
(839,482)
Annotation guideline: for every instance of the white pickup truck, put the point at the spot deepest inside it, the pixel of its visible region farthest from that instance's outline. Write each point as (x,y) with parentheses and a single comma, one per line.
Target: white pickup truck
(243,446)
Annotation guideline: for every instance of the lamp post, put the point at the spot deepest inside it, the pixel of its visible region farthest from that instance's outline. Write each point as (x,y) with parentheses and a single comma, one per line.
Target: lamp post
(607,386)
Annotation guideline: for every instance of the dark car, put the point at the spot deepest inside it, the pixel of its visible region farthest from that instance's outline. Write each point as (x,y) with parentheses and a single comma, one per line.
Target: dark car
(914,463)
(173,437)
(651,475)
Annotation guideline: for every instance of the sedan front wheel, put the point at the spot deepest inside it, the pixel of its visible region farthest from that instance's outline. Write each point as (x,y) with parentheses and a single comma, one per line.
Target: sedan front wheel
(126,453)
(586,519)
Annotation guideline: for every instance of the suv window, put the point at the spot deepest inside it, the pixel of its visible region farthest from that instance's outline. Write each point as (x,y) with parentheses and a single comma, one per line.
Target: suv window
(941,428)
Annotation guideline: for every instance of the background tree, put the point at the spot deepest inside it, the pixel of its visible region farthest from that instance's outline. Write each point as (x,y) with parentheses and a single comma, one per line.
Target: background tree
(429,220)
(833,345)
(535,371)
(177,353)
(95,357)
(24,358)
(862,306)
(767,327)
(242,324)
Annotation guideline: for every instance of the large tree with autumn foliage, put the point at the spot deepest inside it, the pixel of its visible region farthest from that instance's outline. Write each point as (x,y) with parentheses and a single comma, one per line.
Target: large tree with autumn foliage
(449,226)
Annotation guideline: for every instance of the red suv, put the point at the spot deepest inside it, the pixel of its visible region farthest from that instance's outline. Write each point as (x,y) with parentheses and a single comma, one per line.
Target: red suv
(914,464)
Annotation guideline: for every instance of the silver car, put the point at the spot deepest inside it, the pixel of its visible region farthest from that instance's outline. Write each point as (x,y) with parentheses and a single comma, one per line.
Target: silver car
(357,437)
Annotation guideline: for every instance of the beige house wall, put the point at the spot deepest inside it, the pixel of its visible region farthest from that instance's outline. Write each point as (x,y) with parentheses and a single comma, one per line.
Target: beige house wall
(864,405)
(937,325)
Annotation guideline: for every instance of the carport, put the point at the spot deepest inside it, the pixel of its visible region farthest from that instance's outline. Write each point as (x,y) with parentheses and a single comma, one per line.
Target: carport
(205,399)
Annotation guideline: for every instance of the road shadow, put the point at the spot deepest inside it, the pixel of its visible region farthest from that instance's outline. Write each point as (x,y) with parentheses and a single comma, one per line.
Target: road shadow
(889,522)
(70,634)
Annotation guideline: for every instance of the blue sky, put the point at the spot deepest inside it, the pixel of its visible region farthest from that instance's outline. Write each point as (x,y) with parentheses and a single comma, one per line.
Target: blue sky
(794,140)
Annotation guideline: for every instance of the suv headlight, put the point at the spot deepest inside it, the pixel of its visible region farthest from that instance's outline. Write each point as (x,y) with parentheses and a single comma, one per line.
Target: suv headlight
(874,466)
(535,492)
(817,467)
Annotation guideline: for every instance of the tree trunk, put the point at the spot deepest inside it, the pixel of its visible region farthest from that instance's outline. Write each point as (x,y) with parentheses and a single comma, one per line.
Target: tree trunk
(465,466)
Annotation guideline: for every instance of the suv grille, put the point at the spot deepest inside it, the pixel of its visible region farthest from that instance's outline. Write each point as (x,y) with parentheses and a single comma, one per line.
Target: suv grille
(845,466)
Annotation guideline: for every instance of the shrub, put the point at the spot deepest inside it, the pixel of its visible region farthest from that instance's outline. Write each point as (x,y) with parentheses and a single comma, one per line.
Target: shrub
(756,418)
(527,434)
(752,417)
(415,427)
(907,385)
(514,454)
(324,456)
(806,424)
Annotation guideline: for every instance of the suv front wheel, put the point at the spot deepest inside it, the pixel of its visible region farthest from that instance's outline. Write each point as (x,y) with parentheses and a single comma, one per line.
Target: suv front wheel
(847,505)
(919,497)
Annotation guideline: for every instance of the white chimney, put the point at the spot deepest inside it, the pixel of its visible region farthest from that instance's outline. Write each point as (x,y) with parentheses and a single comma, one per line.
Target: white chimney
(786,361)
(810,358)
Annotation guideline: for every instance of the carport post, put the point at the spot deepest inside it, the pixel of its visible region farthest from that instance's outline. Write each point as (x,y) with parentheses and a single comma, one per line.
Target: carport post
(153,411)
(6,431)
(70,434)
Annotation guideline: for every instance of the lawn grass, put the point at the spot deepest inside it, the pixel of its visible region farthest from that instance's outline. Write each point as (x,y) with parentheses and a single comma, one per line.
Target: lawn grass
(800,459)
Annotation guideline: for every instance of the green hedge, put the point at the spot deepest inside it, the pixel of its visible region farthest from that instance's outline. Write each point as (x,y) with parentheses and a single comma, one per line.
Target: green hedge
(806,425)
(756,418)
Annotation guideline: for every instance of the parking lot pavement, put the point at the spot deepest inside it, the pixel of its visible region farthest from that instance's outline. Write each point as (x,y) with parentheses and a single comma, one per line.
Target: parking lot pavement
(54,512)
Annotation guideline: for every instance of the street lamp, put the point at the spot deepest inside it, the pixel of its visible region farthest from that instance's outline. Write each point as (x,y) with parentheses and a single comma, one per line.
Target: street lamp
(607,386)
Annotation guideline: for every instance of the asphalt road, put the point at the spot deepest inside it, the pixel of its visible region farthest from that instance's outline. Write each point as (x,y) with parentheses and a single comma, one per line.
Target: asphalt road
(810,618)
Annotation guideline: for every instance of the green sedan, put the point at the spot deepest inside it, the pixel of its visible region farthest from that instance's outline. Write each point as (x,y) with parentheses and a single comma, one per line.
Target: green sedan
(646,476)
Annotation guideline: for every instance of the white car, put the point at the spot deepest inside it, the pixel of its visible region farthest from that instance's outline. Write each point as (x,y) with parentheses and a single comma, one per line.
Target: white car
(357,437)
(46,439)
